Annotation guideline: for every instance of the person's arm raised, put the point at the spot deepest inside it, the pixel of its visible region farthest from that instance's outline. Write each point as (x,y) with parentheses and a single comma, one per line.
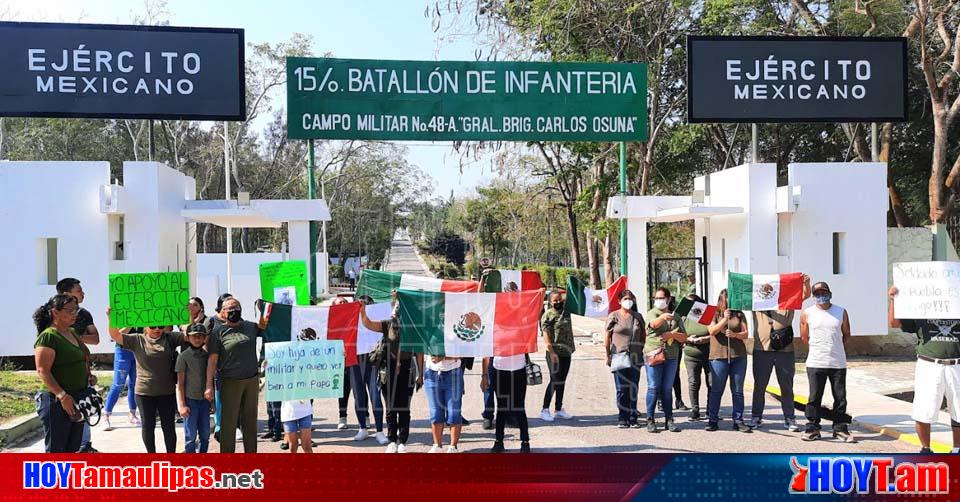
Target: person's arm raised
(891,315)
(374,326)
(115,334)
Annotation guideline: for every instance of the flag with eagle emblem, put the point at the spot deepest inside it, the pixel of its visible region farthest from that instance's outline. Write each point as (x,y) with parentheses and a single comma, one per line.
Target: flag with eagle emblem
(378,284)
(765,291)
(469,324)
(596,303)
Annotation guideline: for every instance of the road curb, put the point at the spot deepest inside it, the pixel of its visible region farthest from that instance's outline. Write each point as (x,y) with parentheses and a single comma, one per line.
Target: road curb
(14,430)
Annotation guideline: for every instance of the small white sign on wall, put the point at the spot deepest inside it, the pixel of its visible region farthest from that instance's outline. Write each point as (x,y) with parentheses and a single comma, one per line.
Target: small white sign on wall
(927,290)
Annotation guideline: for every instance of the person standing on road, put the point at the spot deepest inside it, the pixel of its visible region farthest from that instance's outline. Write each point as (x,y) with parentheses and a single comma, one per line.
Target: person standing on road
(215,321)
(155,351)
(85,328)
(443,384)
(661,353)
(510,385)
(825,327)
(191,370)
(233,351)
(352,277)
(770,329)
(626,334)
(61,360)
(365,381)
(696,357)
(728,359)
(937,374)
(558,340)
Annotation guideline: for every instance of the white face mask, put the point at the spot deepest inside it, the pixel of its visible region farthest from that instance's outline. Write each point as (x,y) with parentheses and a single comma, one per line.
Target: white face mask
(660,303)
(627,304)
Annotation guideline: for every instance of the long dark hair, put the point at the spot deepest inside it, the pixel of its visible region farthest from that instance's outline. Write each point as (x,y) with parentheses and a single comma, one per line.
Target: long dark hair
(627,292)
(198,301)
(673,301)
(721,305)
(224,297)
(43,316)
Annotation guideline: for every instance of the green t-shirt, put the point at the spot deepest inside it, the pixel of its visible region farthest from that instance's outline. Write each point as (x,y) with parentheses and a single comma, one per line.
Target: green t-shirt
(237,350)
(671,349)
(696,331)
(193,364)
(69,367)
(556,324)
(936,338)
(155,362)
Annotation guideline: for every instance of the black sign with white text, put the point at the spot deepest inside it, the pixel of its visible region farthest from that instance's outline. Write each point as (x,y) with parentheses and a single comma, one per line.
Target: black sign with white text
(119,71)
(796,79)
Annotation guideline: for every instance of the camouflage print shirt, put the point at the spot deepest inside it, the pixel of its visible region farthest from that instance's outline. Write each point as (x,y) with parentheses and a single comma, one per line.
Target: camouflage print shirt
(558,328)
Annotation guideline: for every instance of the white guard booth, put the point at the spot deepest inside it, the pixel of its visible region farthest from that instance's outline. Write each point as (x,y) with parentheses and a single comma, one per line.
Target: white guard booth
(829,221)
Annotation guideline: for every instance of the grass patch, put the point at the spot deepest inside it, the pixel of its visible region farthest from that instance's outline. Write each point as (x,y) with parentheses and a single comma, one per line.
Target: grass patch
(18,388)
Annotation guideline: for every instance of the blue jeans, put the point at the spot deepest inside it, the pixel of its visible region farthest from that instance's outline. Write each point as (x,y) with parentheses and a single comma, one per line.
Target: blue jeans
(659,386)
(627,383)
(365,381)
(488,397)
(736,369)
(60,434)
(124,373)
(444,391)
(197,423)
(295,426)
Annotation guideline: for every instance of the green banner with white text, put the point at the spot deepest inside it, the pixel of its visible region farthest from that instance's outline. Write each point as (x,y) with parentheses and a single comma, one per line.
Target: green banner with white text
(331,98)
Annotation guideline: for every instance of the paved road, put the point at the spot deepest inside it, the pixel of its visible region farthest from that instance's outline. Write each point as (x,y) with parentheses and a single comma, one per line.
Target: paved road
(403,258)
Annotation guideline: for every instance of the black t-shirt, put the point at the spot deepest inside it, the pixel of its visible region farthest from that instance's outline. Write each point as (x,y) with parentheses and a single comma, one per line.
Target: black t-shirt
(936,338)
(84,320)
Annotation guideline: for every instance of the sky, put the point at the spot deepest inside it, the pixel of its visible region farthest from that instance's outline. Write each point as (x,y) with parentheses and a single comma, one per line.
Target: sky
(368,29)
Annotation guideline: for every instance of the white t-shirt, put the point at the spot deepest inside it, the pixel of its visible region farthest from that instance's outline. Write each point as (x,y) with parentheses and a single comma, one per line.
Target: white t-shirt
(443,365)
(509,363)
(826,338)
(295,410)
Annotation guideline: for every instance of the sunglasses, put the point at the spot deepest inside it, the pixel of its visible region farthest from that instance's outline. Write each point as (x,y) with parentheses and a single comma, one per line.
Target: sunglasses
(155,327)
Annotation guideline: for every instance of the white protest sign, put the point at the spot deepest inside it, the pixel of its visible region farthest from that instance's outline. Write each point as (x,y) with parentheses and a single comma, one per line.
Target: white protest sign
(927,290)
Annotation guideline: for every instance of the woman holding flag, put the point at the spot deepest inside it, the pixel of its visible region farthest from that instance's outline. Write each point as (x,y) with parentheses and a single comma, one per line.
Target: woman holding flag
(661,358)
(728,357)
(624,344)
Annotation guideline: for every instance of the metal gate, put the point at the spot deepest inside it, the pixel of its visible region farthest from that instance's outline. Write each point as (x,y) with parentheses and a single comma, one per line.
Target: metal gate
(681,276)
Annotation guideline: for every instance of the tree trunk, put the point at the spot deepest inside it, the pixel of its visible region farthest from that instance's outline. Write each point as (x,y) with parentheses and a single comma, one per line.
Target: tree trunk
(574,237)
(897,208)
(593,263)
(608,271)
(645,168)
(938,213)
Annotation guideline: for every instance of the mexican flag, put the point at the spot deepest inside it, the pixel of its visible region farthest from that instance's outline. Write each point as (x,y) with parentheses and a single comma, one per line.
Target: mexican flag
(469,325)
(597,303)
(698,312)
(378,284)
(289,323)
(765,291)
(497,281)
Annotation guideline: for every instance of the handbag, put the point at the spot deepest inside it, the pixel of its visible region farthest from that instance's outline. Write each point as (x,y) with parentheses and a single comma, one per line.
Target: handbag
(620,361)
(655,357)
(534,375)
(89,404)
(781,338)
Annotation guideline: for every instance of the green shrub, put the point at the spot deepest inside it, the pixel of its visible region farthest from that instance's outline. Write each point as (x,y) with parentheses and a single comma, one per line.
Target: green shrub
(335,272)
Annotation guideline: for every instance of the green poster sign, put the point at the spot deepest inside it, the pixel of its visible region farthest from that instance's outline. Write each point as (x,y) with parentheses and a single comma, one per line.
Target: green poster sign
(304,370)
(465,100)
(152,299)
(285,282)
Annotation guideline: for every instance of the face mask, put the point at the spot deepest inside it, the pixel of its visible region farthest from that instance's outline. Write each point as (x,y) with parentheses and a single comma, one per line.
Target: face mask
(823,299)
(660,303)
(233,315)
(558,305)
(627,304)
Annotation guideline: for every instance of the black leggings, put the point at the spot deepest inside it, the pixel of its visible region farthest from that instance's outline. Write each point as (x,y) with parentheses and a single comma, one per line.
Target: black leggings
(344,401)
(511,390)
(150,407)
(397,391)
(558,380)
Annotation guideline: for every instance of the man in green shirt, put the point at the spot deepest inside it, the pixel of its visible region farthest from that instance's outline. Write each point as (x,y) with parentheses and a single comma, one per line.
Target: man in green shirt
(937,372)
(558,339)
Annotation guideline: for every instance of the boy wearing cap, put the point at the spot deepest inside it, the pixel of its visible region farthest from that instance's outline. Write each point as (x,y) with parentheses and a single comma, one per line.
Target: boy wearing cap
(191,371)
(825,328)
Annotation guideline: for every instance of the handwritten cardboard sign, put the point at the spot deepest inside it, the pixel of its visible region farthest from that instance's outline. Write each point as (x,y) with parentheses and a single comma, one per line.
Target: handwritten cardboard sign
(285,282)
(151,299)
(304,370)
(927,290)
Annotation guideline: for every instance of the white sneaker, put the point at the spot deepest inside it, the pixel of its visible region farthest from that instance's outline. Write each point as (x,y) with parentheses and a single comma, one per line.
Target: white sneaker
(106,423)
(546,416)
(401,448)
(382,438)
(562,414)
(791,425)
(361,435)
(342,424)
(436,449)
(452,449)
(391,448)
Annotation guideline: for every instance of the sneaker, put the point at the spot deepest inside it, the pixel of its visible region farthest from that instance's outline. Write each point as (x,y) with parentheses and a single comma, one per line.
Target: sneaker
(680,405)
(637,425)
(659,405)
(391,448)
(88,449)
(844,435)
(216,436)
(276,437)
(487,424)
(810,434)
(695,415)
(711,426)
(401,448)
(267,435)
(436,449)
(498,447)
(452,449)
(742,427)
(525,447)
(107,426)
(562,414)
(284,445)
(361,435)
(133,418)
(342,424)
(545,415)
(382,438)
(623,425)
(652,425)
(755,423)
(672,426)
(926,451)
(790,424)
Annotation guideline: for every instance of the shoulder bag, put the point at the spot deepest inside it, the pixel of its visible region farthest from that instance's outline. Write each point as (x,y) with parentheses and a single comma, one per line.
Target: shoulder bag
(534,375)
